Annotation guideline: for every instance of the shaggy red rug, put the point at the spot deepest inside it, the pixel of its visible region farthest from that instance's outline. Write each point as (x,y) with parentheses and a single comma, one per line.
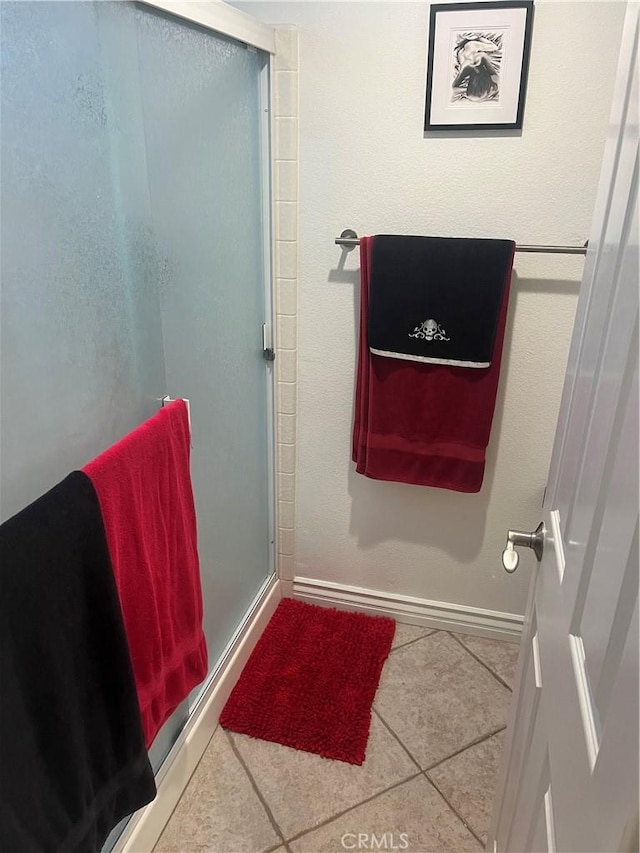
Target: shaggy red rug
(311,680)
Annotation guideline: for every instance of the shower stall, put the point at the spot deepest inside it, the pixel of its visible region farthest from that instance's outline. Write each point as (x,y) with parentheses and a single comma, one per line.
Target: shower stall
(136,263)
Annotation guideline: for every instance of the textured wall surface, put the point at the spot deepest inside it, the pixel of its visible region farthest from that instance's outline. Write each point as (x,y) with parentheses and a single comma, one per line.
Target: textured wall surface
(366,164)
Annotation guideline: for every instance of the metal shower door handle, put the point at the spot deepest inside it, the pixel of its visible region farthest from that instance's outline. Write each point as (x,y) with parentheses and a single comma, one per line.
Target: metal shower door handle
(516,538)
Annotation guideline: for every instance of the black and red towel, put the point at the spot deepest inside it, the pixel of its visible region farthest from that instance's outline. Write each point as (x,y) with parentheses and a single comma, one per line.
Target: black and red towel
(143,484)
(72,755)
(437,299)
(432,321)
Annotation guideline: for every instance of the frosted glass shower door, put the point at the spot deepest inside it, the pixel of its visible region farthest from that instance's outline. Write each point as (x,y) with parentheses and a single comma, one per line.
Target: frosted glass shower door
(135,265)
(81,359)
(205,149)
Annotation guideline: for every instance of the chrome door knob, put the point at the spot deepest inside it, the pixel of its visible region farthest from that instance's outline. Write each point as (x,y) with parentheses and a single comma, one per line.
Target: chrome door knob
(516,538)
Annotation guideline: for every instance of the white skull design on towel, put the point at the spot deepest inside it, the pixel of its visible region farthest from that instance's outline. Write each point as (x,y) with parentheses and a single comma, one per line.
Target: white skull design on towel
(429,331)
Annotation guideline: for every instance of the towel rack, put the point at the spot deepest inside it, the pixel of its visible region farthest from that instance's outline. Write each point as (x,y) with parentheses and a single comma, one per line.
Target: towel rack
(167,399)
(349,239)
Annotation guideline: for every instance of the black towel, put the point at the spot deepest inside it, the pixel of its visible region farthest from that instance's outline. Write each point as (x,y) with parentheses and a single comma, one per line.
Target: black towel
(72,755)
(437,299)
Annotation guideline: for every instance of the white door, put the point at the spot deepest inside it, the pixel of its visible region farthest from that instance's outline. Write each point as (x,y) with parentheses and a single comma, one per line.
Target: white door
(569,779)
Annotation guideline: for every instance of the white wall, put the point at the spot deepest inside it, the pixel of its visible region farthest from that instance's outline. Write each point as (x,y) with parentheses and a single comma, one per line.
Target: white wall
(365,164)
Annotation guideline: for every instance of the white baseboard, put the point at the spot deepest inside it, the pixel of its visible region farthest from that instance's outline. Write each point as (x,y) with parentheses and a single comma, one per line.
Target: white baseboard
(287,588)
(145,827)
(492,624)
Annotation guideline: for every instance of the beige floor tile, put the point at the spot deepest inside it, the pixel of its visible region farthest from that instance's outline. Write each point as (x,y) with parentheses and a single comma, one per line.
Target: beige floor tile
(219,811)
(468,782)
(438,699)
(303,789)
(499,656)
(407,633)
(414,808)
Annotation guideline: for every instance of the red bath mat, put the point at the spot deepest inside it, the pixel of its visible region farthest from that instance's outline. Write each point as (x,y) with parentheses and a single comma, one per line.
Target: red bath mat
(311,680)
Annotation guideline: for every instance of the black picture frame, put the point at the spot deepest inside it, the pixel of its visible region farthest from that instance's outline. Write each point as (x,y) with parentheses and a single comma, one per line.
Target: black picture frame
(478,62)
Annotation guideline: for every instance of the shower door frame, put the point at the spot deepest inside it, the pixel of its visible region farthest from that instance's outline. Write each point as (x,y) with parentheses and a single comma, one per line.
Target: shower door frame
(224,20)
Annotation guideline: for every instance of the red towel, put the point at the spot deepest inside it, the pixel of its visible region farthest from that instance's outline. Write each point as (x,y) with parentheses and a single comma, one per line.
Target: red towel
(143,484)
(425,424)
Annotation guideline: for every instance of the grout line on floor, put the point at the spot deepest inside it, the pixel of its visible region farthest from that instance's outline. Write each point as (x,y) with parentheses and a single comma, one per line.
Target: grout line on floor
(430,631)
(464,748)
(456,812)
(355,806)
(485,665)
(277,847)
(393,734)
(255,787)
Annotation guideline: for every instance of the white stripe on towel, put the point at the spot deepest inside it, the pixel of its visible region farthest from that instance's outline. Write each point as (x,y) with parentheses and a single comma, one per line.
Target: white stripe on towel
(428,360)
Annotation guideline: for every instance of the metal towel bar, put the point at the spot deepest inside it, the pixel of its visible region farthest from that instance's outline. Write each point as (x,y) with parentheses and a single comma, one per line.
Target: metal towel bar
(349,239)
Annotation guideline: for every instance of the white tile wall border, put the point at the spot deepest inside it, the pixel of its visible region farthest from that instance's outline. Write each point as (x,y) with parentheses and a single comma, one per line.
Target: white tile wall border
(285,200)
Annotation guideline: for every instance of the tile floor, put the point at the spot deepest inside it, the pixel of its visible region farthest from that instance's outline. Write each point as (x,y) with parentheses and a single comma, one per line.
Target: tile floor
(426,785)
